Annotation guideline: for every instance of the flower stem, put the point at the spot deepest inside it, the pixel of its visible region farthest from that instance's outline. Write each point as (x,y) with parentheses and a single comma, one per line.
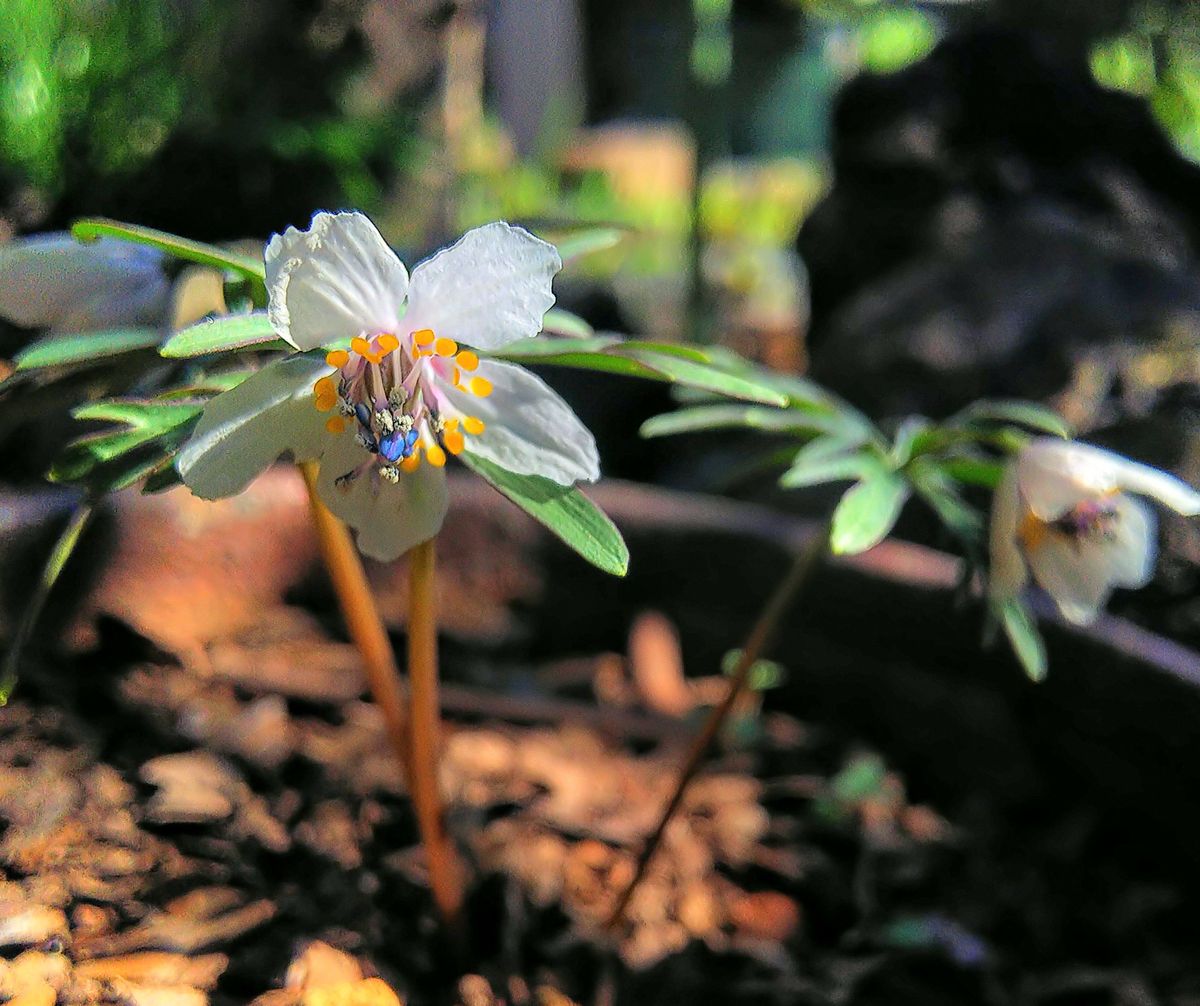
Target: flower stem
(444,877)
(760,637)
(363,622)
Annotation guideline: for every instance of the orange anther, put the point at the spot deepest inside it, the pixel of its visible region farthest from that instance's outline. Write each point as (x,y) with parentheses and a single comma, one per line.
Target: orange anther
(411,463)
(453,441)
(335,424)
(337,358)
(360,346)
(435,456)
(325,386)
(467,360)
(423,336)
(387,343)
(325,402)
(450,424)
(473,425)
(480,386)
(445,347)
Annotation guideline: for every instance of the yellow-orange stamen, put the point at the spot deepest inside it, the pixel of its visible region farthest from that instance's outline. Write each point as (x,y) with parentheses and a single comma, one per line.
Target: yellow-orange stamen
(445,347)
(335,424)
(480,386)
(473,425)
(467,360)
(325,386)
(337,358)
(453,441)
(435,456)
(388,343)
(325,402)
(411,463)
(1032,532)
(423,336)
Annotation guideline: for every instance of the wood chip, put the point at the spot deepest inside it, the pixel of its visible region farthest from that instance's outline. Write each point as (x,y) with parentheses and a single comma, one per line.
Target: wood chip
(151,968)
(320,965)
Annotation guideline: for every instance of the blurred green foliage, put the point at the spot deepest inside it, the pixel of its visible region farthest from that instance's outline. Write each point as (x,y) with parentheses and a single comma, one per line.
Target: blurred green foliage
(1158,58)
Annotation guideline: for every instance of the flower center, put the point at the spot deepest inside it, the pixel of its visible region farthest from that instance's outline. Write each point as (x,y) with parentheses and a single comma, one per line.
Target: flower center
(1086,521)
(383,391)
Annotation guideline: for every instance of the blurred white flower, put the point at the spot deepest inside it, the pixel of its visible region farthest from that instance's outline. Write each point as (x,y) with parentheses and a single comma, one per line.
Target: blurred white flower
(1063,514)
(53,281)
(403,385)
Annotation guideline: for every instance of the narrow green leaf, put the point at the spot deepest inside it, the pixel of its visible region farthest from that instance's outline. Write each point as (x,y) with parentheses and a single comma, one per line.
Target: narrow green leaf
(830,459)
(1019,413)
(80,347)
(983,472)
(566,511)
(756,417)
(706,377)
(191,251)
(1021,629)
(563,323)
(220,335)
(908,436)
(938,490)
(140,413)
(868,511)
(62,551)
(677,364)
(589,241)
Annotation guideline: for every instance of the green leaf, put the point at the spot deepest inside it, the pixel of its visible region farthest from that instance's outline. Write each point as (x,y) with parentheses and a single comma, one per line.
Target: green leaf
(868,511)
(140,413)
(1021,629)
(80,347)
(830,459)
(220,335)
(983,472)
(676,364)
(909,435)
(1019,413)
(563,509)
(706,377)
(558,322)
(587,242)
(92,228)
(62,551)
(938,490)
(756,417)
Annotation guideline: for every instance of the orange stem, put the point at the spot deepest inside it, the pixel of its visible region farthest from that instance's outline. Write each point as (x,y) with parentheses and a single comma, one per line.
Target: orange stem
(444,873)
(363,622)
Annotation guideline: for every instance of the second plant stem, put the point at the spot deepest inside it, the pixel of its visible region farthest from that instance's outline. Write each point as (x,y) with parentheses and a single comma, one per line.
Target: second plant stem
(760,638)
(413,737)
(424,735)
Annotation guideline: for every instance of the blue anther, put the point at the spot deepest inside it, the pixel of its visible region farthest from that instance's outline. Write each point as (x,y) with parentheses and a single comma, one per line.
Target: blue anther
(393,446)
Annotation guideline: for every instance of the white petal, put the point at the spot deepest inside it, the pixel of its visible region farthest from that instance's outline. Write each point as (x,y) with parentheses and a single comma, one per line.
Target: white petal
(529,430)
(1007,575)
(1133,546)
(487,290)
(52,280)
(1165,488)
(334,281)
(1056,475)
(390,519)
(1078,575)
(246,428)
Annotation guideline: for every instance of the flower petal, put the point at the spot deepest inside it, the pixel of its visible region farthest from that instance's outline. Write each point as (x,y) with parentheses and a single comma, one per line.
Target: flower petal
(336,280)
(390,519)
(1078,576)
(1133,546)
(1056,475)
(1008,574)
(1160,485)
(529,429)
(52,280)
(490,288)
(246,428)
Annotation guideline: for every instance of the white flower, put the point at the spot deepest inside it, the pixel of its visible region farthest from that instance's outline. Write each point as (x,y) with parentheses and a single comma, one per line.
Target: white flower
(53,281)
(403,386)
(1061,513)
